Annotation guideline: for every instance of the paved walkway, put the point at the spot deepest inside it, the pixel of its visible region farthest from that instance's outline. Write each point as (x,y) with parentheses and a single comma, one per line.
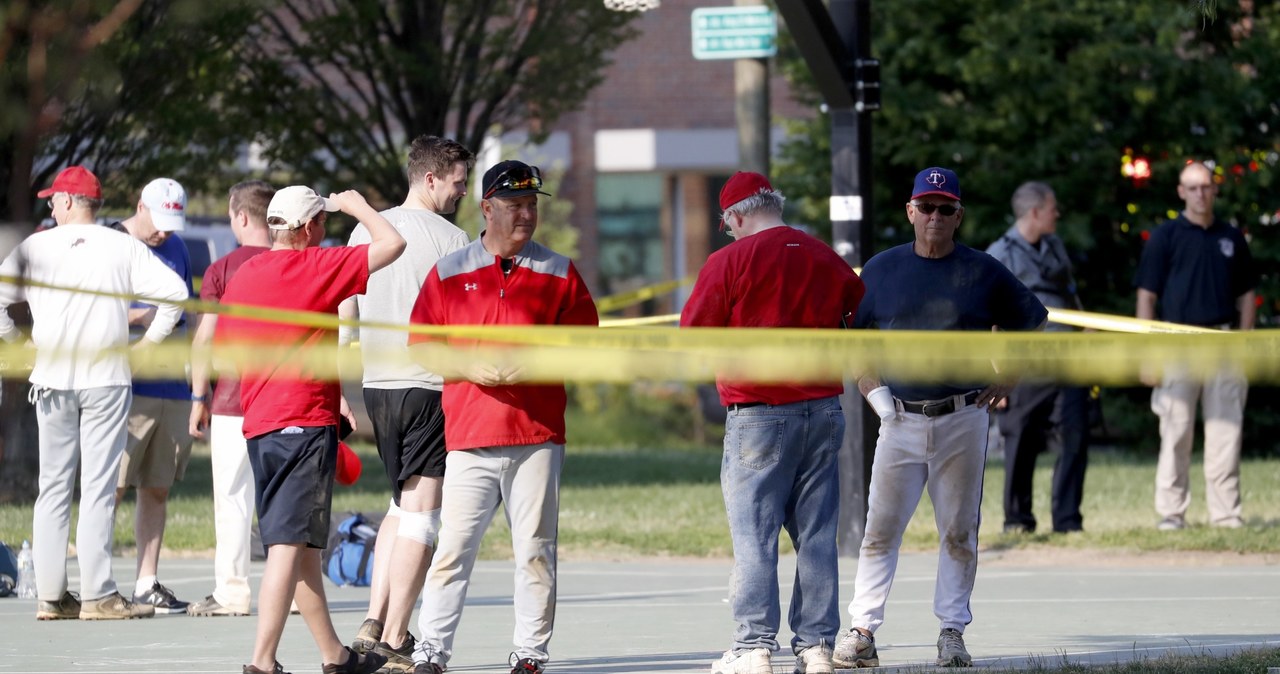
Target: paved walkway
(673,616)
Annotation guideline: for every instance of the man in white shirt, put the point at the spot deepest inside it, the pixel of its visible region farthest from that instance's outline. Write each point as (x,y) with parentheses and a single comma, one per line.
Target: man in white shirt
(403,400)
(80,383)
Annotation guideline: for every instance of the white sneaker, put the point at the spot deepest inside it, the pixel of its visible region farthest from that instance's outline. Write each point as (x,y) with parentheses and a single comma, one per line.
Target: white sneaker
(815,660)
(754,661)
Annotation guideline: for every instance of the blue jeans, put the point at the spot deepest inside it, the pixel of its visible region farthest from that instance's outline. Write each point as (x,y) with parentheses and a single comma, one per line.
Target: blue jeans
(779,470)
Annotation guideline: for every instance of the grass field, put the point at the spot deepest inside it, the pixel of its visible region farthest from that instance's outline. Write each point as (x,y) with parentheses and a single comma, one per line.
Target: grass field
(643,502)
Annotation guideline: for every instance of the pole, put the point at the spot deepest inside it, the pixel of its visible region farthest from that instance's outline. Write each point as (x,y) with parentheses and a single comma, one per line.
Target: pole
(751,105)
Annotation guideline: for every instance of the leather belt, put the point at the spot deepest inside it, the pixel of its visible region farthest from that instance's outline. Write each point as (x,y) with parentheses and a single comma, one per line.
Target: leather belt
(937,408)
(742,406)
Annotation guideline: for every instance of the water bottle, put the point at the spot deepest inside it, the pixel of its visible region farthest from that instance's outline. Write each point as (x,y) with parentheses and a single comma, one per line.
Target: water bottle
(26,572)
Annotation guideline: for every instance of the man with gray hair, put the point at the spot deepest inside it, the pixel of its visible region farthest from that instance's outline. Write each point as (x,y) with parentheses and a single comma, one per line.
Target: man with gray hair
(1035,410)
(781,440)
(80,384)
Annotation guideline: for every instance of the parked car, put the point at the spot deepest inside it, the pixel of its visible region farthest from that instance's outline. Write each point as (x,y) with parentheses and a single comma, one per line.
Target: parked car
(206,243)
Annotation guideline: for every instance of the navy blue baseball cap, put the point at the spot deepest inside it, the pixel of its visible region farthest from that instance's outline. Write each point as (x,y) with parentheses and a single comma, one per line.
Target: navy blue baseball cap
(937,181)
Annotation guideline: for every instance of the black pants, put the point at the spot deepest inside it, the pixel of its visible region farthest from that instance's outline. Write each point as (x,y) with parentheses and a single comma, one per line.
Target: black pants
(1034,411)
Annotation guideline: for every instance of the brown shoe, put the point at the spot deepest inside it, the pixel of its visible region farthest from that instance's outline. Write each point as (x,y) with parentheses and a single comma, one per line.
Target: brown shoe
(66,608)
(114,607)
(250,669)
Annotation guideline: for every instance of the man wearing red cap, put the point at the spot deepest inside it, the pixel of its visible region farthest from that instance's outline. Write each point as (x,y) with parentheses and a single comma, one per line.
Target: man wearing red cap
(80,383)
(932,433)
(781,440)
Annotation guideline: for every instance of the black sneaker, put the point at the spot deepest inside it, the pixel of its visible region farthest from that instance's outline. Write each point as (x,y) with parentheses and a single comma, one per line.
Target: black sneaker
(356,663)
(398,659)
(525,665)
(427,668)
(162,599)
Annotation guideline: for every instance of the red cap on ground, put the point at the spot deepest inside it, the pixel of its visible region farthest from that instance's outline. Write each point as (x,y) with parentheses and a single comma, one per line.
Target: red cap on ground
(74,180)
(349,466)
(743,184)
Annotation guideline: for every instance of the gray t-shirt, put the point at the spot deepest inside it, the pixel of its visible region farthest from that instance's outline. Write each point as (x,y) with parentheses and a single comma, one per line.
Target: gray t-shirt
(393,290)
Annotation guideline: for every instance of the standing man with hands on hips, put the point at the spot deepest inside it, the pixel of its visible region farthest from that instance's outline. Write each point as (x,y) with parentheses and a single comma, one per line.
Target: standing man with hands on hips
(931,434)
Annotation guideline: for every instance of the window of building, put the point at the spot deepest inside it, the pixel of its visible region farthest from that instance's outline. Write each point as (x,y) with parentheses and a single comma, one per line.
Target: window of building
(629,209)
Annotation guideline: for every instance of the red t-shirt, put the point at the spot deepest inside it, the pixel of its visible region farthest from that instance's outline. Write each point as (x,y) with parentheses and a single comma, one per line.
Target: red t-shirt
(776,278)
(314,279)
(226,394)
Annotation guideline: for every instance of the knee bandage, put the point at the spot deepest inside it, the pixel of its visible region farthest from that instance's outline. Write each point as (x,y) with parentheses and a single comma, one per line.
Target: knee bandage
(393,510)
(420,527)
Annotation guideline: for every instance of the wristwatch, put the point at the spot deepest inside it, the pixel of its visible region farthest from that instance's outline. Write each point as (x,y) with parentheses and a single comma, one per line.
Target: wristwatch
(199,399)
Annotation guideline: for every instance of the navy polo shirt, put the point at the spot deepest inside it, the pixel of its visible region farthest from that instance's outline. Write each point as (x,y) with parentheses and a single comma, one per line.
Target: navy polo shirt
(966,290)
(1198,273)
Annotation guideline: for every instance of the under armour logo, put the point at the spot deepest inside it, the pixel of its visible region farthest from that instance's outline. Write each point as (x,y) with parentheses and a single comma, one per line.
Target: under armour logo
(77,242)
(470,286)
(936,179)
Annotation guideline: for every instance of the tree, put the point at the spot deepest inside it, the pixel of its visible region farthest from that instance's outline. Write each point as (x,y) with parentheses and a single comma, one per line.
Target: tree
(342,85)
(132,88)
(1063,91)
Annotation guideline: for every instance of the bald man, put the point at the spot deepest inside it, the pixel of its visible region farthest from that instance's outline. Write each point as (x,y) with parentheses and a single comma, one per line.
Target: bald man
(1197,270)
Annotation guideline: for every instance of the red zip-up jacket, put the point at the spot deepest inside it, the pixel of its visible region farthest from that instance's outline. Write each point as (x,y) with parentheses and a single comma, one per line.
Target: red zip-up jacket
(468,287)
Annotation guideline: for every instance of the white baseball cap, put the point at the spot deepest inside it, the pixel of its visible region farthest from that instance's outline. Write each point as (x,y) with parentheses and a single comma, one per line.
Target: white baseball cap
(296,205)
(167,202)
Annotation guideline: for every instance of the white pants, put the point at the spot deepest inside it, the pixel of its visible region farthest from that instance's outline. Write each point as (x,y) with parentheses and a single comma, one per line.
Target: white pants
(947,454)
(232,511)
(1174,402)
(527,480)
(84,427)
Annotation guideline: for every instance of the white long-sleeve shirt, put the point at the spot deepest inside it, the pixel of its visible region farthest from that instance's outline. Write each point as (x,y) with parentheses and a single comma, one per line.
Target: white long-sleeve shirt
(81,339)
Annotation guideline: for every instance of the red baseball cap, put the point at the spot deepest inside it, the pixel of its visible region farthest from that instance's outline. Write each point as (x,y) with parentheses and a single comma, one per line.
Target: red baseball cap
(743,184)
(349,466)
(74,180)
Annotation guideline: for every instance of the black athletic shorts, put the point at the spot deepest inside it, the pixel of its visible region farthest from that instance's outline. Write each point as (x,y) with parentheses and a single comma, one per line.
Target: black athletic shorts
(408,425)
(293,472)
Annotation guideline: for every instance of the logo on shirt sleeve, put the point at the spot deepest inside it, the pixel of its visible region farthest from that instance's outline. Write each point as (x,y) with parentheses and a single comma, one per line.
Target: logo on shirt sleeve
(1227,246)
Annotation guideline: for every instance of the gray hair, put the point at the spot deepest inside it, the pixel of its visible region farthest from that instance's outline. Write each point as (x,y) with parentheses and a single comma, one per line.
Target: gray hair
(761,202)
(1028,196)
(82,201)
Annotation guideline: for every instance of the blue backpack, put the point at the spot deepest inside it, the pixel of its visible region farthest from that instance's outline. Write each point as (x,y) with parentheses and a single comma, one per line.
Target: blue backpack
(348,560)
(8,570)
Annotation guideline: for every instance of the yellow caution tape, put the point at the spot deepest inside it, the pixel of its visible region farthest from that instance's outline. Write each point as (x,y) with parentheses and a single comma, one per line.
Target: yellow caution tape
(629,351)
(554,353)
(620,301)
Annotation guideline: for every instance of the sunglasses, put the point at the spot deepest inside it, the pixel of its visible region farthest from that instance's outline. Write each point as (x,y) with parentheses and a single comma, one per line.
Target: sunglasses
(946,210)
(516,178)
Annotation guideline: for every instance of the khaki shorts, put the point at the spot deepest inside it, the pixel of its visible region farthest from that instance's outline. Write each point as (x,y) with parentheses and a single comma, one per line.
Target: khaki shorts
(159,443)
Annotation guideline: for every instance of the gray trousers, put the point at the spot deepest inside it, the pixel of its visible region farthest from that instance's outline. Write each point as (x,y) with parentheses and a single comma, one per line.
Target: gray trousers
(85,427)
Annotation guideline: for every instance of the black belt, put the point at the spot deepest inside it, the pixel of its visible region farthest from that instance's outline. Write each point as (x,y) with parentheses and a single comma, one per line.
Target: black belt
(938,408)
(742,406)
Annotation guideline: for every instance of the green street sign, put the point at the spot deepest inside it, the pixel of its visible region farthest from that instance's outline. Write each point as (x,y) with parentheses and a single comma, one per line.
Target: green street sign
(734,33)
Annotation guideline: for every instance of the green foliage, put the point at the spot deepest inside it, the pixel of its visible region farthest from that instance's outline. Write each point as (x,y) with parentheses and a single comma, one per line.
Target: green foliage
(1006,91)
(133,95)
(351,82)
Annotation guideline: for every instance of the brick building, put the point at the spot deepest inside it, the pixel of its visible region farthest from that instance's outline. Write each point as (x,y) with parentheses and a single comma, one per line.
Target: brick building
(646,155)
